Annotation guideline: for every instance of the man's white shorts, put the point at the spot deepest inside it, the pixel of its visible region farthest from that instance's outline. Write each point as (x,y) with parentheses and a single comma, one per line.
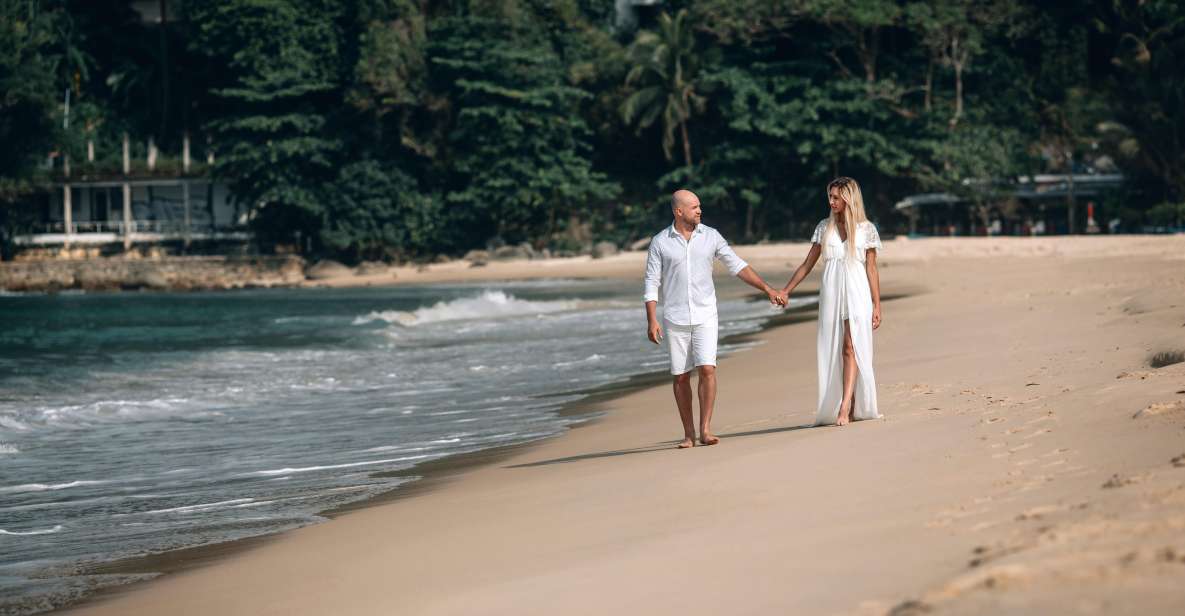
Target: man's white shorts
(691,345)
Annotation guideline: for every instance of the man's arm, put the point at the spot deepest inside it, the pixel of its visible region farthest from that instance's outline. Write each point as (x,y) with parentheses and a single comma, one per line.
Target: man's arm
(751,278)
(737,267)
(653,330)
(650,283)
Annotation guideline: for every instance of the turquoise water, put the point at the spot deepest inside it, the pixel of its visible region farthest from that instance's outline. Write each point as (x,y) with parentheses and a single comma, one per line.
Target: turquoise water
(138,423)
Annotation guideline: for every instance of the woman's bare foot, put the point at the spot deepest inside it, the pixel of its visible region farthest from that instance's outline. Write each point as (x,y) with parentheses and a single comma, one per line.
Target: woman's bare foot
(688,441)
(708,439)
(845,415)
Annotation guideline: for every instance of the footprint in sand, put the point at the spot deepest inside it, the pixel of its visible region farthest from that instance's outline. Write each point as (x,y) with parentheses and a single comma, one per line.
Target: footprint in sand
(982,554)
(1038,433)
(1118,481)
(1036,513)
(1047,417)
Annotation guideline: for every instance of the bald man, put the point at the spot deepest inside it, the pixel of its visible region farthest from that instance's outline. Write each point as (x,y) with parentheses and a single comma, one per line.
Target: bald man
(680,263)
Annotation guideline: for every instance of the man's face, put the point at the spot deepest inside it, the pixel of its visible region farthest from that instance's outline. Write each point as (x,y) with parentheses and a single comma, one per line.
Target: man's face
(689,211)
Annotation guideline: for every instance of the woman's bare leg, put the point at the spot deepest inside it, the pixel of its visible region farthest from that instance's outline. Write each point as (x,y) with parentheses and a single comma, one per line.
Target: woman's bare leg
(849,377)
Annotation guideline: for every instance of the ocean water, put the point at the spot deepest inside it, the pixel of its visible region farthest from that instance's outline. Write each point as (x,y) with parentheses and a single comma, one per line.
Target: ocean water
(137,423)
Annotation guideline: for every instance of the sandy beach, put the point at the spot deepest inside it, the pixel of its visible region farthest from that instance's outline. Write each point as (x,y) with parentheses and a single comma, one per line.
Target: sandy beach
(1031,461)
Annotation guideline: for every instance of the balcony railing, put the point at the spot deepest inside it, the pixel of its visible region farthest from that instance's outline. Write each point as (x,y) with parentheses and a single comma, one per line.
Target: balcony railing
(107,231)
(137,226)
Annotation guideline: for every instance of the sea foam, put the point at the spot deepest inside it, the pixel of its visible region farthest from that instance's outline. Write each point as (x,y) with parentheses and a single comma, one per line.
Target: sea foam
(47,531)
(42,487)
(488,305)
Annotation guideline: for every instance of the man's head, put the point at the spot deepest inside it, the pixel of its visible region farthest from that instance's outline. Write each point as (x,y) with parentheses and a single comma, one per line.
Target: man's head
(685,207)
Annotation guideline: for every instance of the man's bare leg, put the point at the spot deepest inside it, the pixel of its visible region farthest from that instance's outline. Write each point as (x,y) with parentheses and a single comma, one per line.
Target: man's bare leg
(682,386)
(707,403)
(849,377)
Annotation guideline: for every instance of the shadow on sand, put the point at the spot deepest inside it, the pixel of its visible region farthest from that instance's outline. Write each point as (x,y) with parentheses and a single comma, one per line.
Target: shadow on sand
(663,446)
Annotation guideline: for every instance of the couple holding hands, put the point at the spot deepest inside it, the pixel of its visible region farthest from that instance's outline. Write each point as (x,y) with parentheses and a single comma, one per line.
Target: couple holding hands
(680,264)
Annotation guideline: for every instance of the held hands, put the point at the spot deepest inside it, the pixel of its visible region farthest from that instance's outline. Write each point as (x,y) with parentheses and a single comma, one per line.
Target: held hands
(876,316)
(654,332)
(777,298)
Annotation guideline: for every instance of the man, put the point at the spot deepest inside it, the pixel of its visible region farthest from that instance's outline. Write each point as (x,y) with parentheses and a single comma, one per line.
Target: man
(680,261)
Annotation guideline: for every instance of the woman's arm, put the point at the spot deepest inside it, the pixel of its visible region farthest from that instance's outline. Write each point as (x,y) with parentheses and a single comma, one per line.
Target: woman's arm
(808,264)
(874,284)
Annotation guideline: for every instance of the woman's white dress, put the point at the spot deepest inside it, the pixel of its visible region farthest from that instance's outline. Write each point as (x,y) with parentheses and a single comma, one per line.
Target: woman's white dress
(844,294)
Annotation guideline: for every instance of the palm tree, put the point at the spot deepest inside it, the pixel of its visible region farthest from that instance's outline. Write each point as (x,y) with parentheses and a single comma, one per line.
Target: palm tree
(666,73)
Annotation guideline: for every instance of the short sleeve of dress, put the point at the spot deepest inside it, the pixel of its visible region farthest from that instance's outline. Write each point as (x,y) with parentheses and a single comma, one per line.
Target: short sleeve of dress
(817,236)
(872,239)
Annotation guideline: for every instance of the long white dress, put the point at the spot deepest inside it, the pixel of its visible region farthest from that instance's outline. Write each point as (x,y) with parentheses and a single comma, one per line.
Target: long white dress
(844,295)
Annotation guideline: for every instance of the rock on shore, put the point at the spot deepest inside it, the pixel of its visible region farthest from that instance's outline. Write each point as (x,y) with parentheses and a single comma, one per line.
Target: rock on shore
(169,273)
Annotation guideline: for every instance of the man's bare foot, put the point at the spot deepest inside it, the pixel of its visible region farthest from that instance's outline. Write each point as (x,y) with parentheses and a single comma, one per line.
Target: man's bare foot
(708,439)
(687,442)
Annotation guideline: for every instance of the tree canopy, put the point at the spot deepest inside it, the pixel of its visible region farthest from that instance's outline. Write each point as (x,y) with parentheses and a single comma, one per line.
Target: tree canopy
(404,128)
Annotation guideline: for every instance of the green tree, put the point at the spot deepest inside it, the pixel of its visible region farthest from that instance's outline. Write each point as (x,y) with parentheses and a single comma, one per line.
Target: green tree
(31,55)
(390,78)
(1145,46)
(519,153)
(376,211)
(956,32)
(276,147)
(665,72)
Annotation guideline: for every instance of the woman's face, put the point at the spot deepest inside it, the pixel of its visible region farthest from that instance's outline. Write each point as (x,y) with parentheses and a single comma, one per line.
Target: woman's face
(835,201)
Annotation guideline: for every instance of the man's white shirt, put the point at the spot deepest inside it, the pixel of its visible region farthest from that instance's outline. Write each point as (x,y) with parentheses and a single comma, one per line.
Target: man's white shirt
(683,271)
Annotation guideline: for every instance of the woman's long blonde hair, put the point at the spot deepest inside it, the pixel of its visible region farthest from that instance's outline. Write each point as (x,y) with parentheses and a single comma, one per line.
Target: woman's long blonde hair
(849,191)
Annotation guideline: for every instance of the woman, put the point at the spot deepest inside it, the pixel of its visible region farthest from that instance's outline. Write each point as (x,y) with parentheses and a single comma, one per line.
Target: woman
(849,305)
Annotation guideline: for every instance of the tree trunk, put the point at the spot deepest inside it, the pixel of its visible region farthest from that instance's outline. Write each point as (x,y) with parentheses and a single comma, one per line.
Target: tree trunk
(954,120)
(749,222)
(164,63)
(929,86)
(686,142)
(1070,195)
(868,54)
(958,62)
(210,205)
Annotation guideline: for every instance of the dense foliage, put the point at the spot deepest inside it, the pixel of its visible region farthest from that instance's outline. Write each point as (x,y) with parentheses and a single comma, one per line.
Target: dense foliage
(403,128)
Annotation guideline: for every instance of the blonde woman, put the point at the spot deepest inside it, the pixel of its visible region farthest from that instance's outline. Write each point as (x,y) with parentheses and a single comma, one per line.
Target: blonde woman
(849,305)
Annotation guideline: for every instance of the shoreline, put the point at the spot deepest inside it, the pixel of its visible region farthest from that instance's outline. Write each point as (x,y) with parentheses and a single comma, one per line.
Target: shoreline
(280,271)
(1023,466)
(424,478)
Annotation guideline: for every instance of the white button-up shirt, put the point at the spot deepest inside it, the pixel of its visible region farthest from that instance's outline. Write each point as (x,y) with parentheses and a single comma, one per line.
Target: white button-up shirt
(683,270)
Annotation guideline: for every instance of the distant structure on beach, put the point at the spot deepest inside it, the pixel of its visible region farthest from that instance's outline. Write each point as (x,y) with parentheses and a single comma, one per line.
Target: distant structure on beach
(99,212)
(94,208)
(1032,205)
